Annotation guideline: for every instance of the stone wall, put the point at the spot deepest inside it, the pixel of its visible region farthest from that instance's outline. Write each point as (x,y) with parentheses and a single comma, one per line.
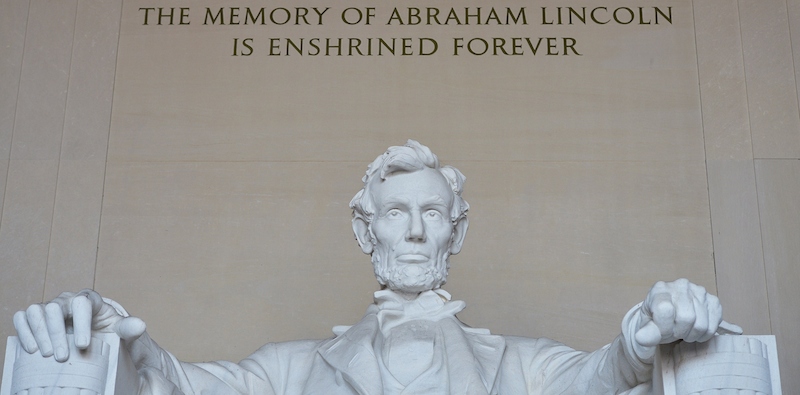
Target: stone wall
(207,193)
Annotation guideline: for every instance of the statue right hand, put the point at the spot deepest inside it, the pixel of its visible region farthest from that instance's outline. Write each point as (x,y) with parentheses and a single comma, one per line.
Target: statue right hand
(43,327)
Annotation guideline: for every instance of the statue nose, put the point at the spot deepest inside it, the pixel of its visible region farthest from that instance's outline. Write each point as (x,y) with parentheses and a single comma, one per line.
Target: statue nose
(416,229)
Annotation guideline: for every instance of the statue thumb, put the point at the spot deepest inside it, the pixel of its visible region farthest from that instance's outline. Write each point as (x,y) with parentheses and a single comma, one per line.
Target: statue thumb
(649,335)
(130,328)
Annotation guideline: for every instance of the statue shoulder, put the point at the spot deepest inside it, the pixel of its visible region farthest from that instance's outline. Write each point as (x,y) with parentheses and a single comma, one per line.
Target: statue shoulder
(526,348)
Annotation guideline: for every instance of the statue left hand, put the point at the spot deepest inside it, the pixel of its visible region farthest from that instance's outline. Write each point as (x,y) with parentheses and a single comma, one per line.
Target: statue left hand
(678,310)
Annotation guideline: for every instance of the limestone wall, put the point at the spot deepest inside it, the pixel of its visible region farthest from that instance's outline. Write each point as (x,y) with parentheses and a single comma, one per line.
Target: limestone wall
(208,193)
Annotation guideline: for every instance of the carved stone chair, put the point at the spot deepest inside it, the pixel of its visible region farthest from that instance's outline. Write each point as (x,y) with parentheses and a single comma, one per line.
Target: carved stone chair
(103,369)
(725,365)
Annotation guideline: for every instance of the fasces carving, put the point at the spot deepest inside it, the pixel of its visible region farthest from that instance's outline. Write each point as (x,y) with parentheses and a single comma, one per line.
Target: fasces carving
(725,365)
(102,368)
(410,217)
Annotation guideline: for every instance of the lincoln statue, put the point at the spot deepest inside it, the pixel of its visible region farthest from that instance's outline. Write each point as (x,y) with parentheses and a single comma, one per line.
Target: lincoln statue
(410,217)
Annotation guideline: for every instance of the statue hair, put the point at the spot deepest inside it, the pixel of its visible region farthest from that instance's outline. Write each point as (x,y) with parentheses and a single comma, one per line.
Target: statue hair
(409,158)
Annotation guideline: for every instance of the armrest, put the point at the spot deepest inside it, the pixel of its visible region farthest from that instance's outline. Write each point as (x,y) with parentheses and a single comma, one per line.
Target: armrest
(104,368)
(737,363)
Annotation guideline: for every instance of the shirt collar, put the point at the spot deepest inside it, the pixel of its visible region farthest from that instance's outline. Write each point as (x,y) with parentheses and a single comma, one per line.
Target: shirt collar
(392,309)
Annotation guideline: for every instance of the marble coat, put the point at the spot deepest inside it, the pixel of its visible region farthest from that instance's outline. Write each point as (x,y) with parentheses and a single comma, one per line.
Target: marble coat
(468,361)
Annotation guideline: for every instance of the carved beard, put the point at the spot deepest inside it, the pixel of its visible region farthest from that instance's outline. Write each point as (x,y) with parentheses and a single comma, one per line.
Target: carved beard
(410,278)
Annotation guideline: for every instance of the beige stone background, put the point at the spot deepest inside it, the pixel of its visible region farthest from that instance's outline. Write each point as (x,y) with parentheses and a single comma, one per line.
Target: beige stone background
(208,193)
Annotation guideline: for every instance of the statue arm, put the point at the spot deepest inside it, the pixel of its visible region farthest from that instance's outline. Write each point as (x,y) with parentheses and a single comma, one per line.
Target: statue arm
(274,369)
(608,370)
(160,372)
(550,367)
(43,327)
(673,311)
(614,368)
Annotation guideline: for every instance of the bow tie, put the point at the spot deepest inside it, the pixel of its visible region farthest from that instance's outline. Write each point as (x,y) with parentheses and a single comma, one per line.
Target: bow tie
(392,309)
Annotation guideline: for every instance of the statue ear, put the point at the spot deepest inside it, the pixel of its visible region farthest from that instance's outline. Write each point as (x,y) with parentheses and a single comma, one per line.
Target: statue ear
(459,233)
(361,229)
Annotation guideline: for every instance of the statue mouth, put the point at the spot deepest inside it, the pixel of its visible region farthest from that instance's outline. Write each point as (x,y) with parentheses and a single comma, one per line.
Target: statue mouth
(412,258)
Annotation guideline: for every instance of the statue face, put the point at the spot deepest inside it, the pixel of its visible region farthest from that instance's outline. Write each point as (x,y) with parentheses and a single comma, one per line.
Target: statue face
(412,229)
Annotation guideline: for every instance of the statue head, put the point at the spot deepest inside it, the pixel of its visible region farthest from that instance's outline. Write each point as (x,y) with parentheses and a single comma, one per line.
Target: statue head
(410,217)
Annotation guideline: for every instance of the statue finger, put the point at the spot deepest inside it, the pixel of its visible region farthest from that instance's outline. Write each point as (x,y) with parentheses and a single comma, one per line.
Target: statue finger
(699,292)
(714,309)
(24,332)
(700,325)
(94,298)
(130,328)
(65,302)
(663,313)
(649,335)
(685,315)
(36,320)
(647,307)
(82,320)
(55,327)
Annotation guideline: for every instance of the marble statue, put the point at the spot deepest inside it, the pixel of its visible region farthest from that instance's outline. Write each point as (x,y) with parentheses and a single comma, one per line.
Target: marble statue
(724,365)
(409,217)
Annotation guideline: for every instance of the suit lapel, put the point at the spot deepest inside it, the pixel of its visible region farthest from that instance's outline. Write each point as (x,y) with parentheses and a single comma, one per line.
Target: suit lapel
(352,354)
(488,351)
(471,359)
(473,356)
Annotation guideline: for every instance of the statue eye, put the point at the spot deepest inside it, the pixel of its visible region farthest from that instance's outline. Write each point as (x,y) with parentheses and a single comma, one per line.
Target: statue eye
(433,214)
(394,213)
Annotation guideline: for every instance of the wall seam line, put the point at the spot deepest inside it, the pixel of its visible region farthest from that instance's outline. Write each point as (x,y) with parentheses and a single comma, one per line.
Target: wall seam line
(705,150)
(108,144)
(60,149)
(755,172)
(16,112)
(794,65)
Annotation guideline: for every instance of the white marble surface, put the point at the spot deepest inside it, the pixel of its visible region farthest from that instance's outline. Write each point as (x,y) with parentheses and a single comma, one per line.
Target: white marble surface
(537,117)
(724,365)
(104,368)
(409,217)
